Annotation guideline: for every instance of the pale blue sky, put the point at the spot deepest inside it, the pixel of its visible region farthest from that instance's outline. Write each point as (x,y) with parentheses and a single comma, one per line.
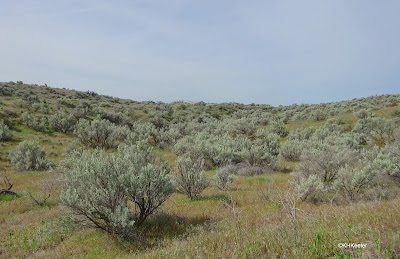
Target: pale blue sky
(274,52)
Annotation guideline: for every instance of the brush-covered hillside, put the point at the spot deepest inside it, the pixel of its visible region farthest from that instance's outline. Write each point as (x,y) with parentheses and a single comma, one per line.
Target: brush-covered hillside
(84,175)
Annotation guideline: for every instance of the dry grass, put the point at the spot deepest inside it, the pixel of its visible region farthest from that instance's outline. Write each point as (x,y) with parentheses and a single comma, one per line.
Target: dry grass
(208,227)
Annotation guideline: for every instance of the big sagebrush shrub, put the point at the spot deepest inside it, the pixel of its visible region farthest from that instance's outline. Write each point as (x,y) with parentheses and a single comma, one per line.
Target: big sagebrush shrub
(257,153)
(116,193)
(363,114)
(291,150)
(324,160)
(301,133)
(308,186)
(318,115)
(352,181)
(62,122)
(99,133)
(223,179)
(278,127)
(190,177)
(142,132)
(388,159)
(29,156)
(41,107)
(5,132)
(378,128)
(33,123)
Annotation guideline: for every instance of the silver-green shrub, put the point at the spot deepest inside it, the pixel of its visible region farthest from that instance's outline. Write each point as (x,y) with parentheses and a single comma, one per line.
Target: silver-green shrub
(351,181)
(375,127)
(223,179)
(278,127)
(301,133)
(29,156)
(324,160)
(291,150)
(5,132)
(388,160)
(142,132)
(271,141)
(100,188)
(62,122)
(83,108)
(257,152)
(318,115)
(363,114)
(190,178)
(221,150)
(92,189)
(240,126)
(35,124)
(117,118)
(308,186)
(168,137)
(334,125)
(99,133)
(146,180)
(41,107)
(321,134)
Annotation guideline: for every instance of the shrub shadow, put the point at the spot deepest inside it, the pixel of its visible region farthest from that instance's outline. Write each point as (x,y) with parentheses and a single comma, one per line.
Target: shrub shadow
(163,225)
(214,197)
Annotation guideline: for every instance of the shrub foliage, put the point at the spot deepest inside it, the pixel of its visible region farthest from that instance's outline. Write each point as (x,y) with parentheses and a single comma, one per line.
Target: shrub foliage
(116,193)
(29,156)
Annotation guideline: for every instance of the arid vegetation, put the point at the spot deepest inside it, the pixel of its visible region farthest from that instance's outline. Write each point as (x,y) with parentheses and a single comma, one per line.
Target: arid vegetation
(86,175)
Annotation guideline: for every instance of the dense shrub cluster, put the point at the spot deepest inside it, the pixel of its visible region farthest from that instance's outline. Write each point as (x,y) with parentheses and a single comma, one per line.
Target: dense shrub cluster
(388,160)
(5,90)
(374,127)
(319,115)
(33,123)
(99,133)
(291,150)
(352,152)
(223,149)
(352,180)
(83,108)
(41,107)
(118,118)
(336,164)
(143,132)
(324,160)
(279,128)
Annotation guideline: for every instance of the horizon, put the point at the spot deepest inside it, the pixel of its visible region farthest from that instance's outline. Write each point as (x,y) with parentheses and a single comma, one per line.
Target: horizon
(280,53)
(189,101)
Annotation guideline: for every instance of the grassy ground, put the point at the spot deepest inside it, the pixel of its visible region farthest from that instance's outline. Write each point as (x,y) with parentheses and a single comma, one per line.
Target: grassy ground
(239,223)
(236,223)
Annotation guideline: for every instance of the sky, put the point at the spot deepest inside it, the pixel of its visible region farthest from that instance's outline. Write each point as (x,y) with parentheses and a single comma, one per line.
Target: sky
(267,52)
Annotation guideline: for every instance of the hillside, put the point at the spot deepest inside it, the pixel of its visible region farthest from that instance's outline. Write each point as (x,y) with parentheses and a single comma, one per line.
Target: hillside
(305,177)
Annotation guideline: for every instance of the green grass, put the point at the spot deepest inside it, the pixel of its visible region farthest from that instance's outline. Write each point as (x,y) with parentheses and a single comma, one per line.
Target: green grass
(386,112)
(304,124)
(256,179)
(166,154)
(24,130)
(7,197)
